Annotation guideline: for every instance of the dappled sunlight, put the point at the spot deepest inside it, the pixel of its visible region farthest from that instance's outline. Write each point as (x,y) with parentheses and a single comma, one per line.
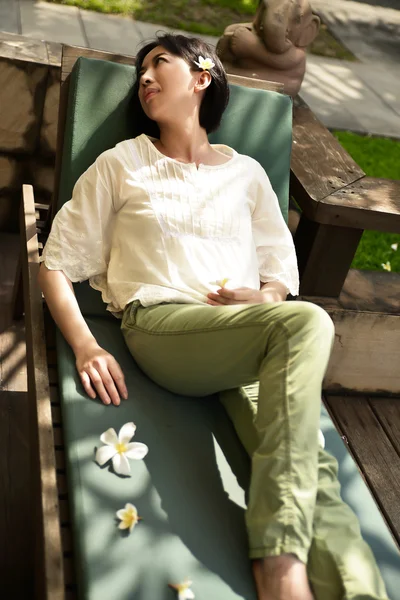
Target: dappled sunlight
(13,359)
(172,488)
(347,96)
(333,84)
(357,563)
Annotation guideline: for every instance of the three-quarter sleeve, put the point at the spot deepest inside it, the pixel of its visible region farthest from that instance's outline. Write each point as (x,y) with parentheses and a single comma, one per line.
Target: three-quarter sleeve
(276,253)
(80,239)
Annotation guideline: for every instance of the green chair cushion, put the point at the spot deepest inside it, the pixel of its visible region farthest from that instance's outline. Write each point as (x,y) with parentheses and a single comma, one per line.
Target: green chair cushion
(189,489)
(99,116)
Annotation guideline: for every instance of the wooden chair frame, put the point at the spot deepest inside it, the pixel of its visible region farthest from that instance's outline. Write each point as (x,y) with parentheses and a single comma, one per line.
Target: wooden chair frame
(335,201)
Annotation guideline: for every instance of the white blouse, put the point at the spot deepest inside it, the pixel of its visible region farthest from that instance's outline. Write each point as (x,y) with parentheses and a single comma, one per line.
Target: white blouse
(143,226)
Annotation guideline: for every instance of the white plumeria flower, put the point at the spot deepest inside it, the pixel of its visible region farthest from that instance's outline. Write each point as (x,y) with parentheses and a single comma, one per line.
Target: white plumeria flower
(183,589)
(205,63)
(387,266)
(119,449)
(394,246)
(220,282)
(128,516)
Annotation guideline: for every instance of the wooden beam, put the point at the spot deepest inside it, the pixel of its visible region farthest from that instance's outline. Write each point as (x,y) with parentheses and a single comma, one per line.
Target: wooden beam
(48,554)
(72,53)
(325,254)
(371,291)
(366,354)
(62,116)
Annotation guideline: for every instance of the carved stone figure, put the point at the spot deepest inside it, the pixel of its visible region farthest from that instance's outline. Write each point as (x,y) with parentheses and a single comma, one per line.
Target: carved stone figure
(273,47)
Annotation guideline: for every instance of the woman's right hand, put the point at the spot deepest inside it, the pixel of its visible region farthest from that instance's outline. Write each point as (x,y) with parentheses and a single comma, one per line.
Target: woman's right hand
(100,372)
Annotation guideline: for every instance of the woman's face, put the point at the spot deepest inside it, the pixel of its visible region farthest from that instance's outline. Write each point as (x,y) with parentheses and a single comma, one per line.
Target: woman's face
(169,89)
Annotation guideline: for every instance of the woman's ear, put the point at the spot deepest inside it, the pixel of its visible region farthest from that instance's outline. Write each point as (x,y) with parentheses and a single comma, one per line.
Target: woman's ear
(203,81)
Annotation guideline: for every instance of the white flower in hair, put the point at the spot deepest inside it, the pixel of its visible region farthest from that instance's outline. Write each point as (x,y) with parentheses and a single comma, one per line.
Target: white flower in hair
(205,63)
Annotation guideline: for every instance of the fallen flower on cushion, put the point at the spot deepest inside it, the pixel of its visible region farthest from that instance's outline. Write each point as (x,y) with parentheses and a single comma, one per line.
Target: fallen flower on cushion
(128,516)
(183,589)
(220,282)
(394,246)
(387,266)
(119,449)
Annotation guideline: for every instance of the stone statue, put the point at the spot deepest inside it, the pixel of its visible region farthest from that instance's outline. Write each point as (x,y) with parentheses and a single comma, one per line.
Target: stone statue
(273,46)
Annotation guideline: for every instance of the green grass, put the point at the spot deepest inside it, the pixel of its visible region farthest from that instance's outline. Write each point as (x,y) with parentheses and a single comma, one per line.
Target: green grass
(378,157)
(207,17)
(325,44)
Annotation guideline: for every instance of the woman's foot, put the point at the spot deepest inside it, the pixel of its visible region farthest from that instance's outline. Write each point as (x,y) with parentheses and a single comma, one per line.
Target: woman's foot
(281,578)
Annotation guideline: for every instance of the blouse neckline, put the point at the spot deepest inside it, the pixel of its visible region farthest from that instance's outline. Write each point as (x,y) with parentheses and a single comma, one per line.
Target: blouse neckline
(227,150)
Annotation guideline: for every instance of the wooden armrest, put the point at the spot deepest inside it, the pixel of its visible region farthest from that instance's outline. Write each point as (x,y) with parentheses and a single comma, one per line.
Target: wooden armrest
(326,244)
(338,203)
(320,166)
(369,203)
(45,511)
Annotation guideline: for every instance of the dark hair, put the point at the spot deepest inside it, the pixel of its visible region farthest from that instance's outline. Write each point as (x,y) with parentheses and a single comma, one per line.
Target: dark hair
(216,97)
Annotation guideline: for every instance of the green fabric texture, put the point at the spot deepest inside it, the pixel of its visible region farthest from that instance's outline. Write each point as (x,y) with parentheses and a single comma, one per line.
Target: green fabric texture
(189,497)
(190,489)
(266,136)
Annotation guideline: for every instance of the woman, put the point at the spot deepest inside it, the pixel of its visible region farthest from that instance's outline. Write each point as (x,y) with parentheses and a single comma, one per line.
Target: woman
(153,224)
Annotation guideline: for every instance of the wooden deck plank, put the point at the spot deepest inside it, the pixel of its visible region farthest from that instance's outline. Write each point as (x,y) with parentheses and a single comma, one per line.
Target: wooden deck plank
(16,565)
(373,451)
(387,411)
(12,334)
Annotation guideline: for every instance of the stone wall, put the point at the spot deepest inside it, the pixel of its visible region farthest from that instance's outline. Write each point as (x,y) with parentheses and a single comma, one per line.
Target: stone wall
(30,73)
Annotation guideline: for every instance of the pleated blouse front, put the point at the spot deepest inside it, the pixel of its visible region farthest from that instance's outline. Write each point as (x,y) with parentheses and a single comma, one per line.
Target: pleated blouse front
(143,226)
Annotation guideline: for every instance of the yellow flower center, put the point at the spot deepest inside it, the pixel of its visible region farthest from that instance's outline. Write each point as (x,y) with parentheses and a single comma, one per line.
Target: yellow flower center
(182,587)
(120,448)
(130,518)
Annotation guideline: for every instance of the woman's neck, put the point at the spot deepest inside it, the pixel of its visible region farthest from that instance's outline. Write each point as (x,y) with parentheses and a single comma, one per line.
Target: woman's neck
(186,144)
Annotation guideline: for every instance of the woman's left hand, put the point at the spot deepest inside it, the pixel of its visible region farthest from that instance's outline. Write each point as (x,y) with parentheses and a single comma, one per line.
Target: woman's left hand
(243,295)
(273,291)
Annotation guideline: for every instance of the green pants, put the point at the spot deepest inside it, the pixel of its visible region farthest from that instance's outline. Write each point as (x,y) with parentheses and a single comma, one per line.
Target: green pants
(294,499)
